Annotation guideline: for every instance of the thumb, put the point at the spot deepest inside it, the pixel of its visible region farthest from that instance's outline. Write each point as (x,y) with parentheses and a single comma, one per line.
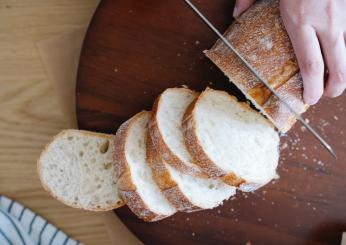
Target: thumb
(241,6)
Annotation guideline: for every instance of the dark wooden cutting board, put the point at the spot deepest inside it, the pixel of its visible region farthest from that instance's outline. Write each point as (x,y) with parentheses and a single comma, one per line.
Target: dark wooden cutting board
(133,51)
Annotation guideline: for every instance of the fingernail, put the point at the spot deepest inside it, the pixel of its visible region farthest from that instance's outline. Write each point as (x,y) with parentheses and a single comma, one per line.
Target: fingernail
(236,11)
(310,101)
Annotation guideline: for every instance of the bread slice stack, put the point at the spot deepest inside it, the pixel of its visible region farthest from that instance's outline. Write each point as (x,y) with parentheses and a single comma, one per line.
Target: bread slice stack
(191,152)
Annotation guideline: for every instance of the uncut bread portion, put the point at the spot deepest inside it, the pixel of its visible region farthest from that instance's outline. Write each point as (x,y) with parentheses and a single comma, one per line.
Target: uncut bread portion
(136,184)
(76,168)
(260,37)
(166,129)
(230,140)
(185,192)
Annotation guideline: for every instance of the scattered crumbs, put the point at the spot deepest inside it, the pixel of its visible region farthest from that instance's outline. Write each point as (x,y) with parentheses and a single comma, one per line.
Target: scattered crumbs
(297,148)
(233,198)
(248,243)
(336,118)
(193,234)
(294,197)
(178,54)
(303,128)
(232,209)
(320,163)
(187,219)
(305,168)
(245,195)
(130,11)
(273,203)
(276,225)
(210,83)
(219,211)
(259,220)
(184,86)
(314,208)
(144,92)
(197,42)
(323,123)
(263,198)
(184,43)
(284,146)
(303,148)
(264,192)
(315,147)
(307,120)
(115,70)
(309,203)
(290,154)
(305,156)
(236,220)
(314,160)
(293,189)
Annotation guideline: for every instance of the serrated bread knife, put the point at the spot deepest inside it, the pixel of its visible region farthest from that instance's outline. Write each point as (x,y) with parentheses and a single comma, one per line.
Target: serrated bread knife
(260,78)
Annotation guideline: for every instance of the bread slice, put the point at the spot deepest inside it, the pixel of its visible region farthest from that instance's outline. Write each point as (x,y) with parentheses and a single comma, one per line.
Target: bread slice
(260,37)
(136,184)
(229,139)
(76,168)
(165,128)
(185,192)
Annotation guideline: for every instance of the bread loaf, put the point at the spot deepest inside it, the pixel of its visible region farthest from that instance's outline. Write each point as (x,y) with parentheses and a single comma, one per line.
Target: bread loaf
(260,37)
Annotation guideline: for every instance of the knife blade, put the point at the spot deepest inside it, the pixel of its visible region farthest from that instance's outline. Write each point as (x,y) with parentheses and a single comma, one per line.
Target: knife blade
(264,81)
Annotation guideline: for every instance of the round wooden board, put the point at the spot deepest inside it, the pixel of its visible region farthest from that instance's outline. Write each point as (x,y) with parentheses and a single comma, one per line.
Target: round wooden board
(133,51)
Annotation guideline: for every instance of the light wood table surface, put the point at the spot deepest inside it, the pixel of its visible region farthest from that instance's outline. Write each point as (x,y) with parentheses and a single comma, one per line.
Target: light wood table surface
(29,112)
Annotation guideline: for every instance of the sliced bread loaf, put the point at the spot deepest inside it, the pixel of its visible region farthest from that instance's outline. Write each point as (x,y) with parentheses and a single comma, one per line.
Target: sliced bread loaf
(76,168)
(166,130)
(136,184)
(229,139)
(185,192)
(260,37)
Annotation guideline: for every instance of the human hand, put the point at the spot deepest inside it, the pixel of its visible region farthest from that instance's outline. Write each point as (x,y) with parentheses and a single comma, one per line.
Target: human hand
(317,30)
